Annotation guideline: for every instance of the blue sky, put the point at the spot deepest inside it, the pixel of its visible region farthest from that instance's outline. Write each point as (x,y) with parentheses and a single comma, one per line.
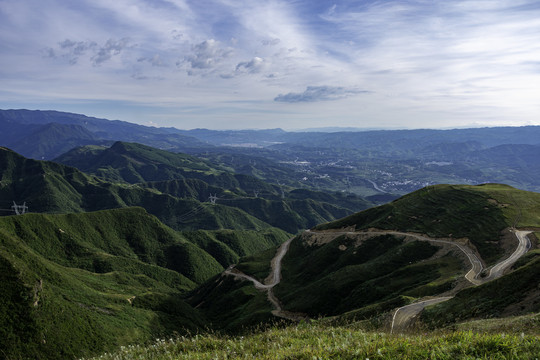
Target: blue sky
(225,64)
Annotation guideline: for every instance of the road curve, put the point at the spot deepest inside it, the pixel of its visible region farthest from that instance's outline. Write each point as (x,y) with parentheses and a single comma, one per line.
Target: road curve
(523,246)
(403,314)
(272,280)
(476,264)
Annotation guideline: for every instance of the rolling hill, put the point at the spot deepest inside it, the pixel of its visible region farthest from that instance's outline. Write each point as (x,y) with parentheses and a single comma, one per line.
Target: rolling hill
(187,177)
(82,283)
(420,246)
(47,134)
(112,269)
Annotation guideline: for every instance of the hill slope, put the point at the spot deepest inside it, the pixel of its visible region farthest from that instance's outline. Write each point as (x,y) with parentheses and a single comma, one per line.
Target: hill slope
(185,176)
(84,283)
(55,188)
(366,265)
(47,134)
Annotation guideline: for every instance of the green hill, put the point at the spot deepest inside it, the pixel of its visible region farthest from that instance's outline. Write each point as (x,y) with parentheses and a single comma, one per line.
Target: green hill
(185,176)
(54,188)
(478,213)
(368,264)
(83,283)
(136,163)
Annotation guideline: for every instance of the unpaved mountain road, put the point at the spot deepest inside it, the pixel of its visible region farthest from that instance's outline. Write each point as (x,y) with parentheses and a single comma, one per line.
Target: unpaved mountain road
(272,280)
(404,314)
(523,246)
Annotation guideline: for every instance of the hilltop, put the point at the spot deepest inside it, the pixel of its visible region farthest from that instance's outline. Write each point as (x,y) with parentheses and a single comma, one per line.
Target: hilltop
(188,177)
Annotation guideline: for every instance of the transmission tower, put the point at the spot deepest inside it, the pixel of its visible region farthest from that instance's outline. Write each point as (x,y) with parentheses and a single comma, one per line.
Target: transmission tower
(213,199)
(19,209)
(282,191)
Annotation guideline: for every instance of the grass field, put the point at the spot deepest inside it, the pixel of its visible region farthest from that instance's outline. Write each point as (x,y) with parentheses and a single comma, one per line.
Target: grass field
(315,341)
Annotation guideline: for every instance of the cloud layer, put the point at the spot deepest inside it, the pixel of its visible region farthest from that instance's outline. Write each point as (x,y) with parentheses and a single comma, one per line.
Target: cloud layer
(318,93)
(188,63)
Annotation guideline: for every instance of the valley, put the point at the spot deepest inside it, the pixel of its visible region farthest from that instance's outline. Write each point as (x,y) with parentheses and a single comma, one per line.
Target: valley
(125,234)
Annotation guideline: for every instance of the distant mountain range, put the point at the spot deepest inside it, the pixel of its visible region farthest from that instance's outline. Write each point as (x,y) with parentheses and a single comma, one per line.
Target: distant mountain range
(48,134)
(381,164)
(134,233)
(23,128)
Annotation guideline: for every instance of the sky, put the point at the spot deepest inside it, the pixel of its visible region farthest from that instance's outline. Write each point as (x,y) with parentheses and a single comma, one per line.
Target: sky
(254,64)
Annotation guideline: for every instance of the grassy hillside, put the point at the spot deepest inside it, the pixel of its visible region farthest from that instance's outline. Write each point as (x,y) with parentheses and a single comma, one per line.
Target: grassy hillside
(84,283)
(479,213)
(315,341)
(54,188)
(380,273)
(368,274)
(227,246)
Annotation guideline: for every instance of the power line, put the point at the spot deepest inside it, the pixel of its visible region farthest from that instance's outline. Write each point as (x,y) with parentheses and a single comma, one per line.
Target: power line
(19,209)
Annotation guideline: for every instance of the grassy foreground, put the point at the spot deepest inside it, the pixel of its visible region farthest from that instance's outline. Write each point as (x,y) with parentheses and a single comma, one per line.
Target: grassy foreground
(317,341)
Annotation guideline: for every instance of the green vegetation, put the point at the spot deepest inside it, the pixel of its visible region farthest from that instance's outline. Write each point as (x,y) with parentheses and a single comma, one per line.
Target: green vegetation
(227,246)
(478,213)
(513,294)
(173,187)
(79,284)
(344,275)
(232,305)
(327,342)
(258,265)
(85,283)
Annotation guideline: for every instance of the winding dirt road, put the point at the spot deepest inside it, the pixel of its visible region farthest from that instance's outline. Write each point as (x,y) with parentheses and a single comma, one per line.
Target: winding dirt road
(404,314)
(272,280)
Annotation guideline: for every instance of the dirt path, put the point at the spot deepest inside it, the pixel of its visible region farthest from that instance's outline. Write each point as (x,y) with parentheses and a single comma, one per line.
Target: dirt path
(404,314)
(272,280)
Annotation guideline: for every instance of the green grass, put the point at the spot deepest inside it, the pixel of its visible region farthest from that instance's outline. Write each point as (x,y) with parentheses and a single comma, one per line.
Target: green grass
(341,276)
(258,265)
(508,295)
(479,213)
(526,324)
(346,342)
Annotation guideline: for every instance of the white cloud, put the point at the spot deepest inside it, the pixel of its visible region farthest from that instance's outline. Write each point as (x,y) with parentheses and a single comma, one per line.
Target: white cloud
(319,93)
(423,62)
(207,54)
